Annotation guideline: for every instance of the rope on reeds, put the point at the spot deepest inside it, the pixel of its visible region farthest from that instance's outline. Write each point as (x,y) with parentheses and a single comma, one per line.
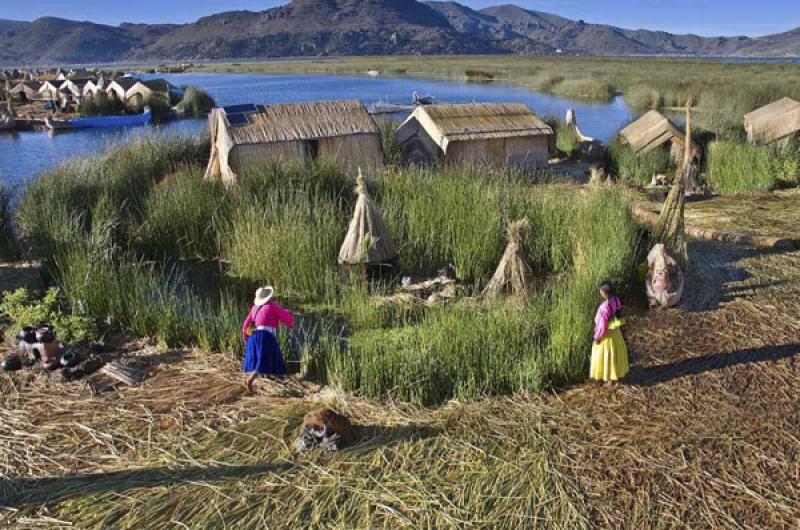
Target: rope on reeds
(514,274)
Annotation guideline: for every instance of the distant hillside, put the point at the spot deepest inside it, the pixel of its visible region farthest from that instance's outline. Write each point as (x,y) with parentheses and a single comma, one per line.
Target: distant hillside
(359,27)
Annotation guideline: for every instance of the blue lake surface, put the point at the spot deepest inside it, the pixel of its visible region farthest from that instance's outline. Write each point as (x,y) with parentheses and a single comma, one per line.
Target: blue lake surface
(24,154)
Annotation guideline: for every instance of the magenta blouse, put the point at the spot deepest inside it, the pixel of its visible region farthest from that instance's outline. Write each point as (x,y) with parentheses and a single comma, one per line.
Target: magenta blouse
(604,313)
(269,314)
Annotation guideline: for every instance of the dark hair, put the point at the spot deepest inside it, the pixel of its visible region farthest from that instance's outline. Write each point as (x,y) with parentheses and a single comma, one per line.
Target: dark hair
(607,288)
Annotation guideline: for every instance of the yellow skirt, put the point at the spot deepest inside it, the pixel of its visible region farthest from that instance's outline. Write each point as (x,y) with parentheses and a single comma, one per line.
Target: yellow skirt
(610,356)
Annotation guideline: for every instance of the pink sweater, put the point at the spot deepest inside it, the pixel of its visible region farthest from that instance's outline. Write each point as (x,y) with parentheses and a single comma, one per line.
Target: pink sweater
(270,314)
(604,313)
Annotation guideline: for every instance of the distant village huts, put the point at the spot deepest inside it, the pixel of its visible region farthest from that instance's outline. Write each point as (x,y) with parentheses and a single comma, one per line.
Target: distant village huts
(118,88)
(498,134)
(50,89)
(246,135)
(776,123)
(140,91)
(26,90)
(94,87)
(654,130)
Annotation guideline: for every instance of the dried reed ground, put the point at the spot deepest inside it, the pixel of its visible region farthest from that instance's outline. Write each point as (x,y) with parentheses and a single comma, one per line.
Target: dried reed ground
(705,435)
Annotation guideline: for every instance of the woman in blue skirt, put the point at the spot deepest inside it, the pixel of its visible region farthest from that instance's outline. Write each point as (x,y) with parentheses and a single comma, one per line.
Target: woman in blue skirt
(262,353)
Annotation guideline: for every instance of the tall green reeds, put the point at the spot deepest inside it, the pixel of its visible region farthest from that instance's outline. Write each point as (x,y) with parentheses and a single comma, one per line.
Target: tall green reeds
(639,168)
(139,242)
(740,168)
(8,242)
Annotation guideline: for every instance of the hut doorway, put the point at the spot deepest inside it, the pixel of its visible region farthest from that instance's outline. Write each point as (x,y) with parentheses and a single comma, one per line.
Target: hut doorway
(311,149)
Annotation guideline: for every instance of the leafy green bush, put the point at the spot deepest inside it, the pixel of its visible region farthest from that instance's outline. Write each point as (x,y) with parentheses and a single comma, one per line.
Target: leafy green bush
(21,308)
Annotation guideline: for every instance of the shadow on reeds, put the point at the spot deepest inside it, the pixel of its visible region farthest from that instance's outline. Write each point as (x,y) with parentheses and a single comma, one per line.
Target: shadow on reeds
(654,375)
(372,436)
(715,267)
(19,492)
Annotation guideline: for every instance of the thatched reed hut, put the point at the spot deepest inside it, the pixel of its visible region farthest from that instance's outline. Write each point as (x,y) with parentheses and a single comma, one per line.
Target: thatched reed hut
(142,90)
(26,90)
(653,131)
(49,89)
(118,88)
(94,87)
(246,135)
(498,134)
(777,122)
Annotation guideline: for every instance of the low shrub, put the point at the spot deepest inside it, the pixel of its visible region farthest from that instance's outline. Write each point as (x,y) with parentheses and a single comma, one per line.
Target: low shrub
(22,308)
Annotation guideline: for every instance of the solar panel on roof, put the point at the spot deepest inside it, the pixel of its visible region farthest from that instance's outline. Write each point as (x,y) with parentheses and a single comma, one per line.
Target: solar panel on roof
(239,109)
(238,119)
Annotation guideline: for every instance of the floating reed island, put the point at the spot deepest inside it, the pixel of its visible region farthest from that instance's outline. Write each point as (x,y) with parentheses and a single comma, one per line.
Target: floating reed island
(32,95)
(444,360)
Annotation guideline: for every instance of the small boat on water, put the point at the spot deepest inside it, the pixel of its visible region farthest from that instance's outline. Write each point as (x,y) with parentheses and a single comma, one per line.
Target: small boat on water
(422,100)
(99,122)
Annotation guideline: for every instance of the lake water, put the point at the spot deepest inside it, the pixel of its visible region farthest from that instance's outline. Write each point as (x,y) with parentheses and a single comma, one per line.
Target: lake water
(24,154)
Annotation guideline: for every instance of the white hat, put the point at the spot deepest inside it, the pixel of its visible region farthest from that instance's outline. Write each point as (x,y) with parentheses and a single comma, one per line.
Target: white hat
(263,295)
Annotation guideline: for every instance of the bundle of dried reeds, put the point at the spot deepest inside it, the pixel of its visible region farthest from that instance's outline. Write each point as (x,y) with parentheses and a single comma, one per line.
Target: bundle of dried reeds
(368,239)
(514,274)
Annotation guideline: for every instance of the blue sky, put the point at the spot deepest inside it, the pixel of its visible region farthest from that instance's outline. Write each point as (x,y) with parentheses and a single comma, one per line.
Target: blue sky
(704,17)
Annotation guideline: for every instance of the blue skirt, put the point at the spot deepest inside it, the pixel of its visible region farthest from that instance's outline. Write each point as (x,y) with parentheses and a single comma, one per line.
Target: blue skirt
(263,354)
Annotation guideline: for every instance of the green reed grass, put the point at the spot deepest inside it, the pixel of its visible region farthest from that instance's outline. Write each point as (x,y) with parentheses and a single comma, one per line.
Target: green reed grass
(639,168)
(740,168)
(8,241)
(183,218)
(129,263)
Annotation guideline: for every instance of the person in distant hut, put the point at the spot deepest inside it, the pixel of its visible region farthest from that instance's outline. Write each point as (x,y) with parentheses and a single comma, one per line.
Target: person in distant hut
(262,353)
(609,353)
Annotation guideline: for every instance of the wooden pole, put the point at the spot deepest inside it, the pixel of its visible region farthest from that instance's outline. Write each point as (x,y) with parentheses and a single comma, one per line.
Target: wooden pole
(670,229)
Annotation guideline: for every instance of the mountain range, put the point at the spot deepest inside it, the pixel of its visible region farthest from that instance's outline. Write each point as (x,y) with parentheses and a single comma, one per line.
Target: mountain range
(360,27)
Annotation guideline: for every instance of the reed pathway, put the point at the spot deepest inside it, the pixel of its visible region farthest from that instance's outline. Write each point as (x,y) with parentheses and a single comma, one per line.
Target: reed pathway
(703,435)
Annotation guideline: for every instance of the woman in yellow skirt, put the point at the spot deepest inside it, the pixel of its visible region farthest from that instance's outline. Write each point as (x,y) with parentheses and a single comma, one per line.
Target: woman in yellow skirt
(609,353)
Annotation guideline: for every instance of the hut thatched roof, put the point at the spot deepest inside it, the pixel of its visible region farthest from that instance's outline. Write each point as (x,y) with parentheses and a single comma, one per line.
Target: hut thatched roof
(31,86)
(300,121)
(651,131)
(447,123)
(773,122)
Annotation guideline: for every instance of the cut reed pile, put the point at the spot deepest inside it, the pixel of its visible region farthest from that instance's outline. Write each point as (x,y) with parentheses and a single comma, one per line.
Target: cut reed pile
(184,450)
